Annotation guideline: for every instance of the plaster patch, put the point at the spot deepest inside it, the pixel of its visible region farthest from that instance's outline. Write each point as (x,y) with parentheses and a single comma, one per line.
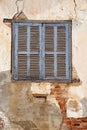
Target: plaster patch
(41,88)
(74,108)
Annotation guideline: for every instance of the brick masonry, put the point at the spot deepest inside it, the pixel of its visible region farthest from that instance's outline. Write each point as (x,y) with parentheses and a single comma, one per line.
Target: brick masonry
(68,123)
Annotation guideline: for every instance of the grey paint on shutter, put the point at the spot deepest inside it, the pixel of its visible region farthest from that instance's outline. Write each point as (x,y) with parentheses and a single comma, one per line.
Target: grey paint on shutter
(23,52)
(67,52)
(15,27)
(27,24)
(42,52)
(70,51)
(55,52)
(28,50)
(69,30)
(55,24)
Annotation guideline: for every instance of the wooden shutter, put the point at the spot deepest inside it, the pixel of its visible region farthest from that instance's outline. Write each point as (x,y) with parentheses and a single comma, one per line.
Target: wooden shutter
(26,51)
(41,51)
(64,52)
(57,52)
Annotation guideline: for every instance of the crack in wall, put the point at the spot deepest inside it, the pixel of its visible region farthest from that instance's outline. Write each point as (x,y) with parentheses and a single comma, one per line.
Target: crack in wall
(18,5)
(75,8)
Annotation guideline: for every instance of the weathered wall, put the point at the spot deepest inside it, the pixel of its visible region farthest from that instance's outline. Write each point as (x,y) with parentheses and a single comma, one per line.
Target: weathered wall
(30,113)
(17,107)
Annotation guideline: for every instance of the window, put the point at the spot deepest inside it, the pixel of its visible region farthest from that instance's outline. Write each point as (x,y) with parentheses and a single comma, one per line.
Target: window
(41,50)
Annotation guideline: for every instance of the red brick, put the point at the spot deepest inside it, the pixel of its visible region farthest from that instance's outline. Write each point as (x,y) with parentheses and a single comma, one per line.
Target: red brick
(84,124)
(75,122)
(60,98)
(57,86)
(84,129)
(84,119)
(56,91)
(76,128)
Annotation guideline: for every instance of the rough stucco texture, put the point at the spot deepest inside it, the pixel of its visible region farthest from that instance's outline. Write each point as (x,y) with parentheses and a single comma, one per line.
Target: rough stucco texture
(12,99)
(26,111)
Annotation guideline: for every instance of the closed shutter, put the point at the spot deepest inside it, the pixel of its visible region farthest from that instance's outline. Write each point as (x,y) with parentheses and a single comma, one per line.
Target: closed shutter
(26,51)
(41,51)
(57,64)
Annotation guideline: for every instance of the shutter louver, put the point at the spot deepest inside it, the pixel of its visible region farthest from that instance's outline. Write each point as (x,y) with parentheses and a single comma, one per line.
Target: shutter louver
(34,38)
(61,61)
(49,39)
(49,66)
(22,66)
(61,34)
(61,48)
(22,47)
(49,50)
(22,38)
(25,54)
(34,52)
(34,66)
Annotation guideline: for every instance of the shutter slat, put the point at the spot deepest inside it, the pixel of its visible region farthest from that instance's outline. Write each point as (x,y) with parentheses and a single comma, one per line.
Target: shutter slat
(15,54)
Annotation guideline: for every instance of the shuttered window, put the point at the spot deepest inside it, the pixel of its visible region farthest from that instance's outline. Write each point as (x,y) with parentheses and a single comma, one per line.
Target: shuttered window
(41,51)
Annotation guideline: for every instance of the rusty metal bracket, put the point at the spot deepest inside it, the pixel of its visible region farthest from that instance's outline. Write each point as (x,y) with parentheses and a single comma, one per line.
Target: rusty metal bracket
(5,20)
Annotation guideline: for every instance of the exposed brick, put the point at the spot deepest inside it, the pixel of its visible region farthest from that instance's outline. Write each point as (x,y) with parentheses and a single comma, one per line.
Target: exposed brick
(70,123)
(56,91)
(74,128)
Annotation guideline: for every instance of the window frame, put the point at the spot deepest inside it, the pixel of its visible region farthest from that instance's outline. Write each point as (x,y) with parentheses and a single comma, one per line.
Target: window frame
(67,22)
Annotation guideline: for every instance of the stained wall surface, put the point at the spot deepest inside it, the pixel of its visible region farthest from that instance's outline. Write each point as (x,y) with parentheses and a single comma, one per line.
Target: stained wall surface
(76,93)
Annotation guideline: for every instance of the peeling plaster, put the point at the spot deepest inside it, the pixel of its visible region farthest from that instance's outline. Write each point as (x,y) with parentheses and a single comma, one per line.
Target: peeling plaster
(74,108)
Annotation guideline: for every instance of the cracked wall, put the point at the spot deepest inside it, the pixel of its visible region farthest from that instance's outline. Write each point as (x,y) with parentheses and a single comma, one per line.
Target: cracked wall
(75,93)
